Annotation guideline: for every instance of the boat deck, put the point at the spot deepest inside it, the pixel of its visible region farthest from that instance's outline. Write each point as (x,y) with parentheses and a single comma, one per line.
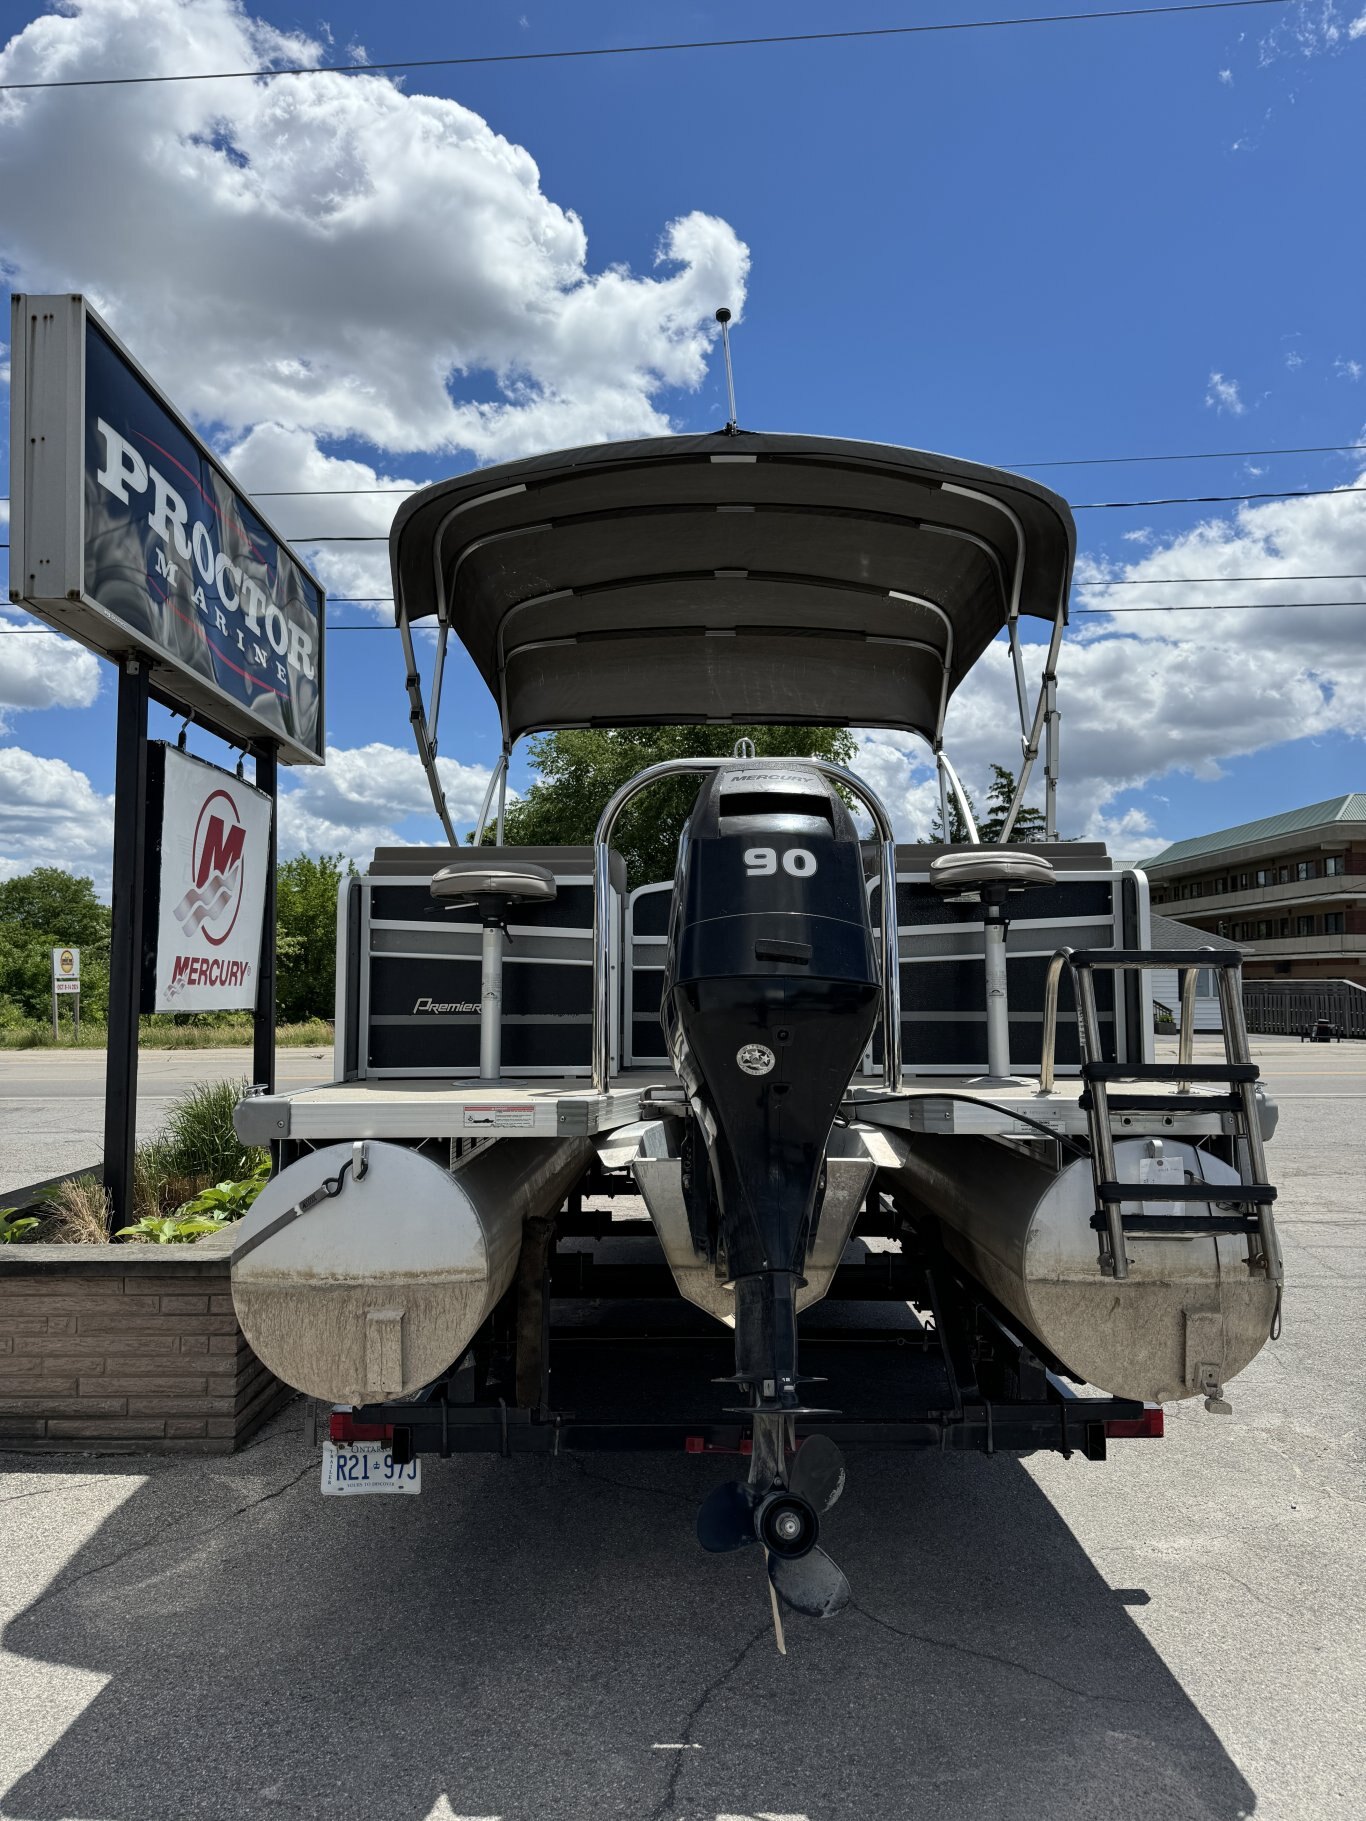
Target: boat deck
(415,1108)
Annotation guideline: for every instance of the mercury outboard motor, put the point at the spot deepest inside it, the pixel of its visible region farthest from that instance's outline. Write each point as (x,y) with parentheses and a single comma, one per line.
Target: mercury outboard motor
(770,995)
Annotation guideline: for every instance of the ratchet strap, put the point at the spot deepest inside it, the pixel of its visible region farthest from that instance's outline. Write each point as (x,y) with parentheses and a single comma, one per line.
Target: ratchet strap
(356,1165)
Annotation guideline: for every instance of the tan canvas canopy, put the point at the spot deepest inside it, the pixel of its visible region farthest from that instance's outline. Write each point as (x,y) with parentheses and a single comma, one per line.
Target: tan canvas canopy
(732,577)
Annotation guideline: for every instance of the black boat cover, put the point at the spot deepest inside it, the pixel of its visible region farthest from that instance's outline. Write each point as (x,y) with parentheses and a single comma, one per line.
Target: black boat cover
(730,577)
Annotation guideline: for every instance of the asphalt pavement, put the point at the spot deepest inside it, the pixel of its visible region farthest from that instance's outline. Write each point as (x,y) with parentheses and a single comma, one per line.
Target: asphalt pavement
(1178,1634)
(52,1101)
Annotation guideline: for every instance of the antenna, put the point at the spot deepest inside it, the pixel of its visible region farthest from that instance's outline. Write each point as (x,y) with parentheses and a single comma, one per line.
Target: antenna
(723,317)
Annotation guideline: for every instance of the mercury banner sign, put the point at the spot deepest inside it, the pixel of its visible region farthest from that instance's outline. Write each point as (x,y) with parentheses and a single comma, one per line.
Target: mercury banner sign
(129,535)
(208,854)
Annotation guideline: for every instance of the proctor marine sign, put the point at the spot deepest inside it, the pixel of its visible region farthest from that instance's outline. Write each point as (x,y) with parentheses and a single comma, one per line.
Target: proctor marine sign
(129,535)
(207,861)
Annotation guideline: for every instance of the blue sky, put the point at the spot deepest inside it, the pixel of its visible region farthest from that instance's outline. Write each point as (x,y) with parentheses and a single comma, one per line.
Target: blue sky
(1115,238)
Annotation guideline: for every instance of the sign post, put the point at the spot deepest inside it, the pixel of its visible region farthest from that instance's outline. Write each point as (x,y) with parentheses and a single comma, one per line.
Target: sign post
(263,1029)
(129,535)
(66,981)
(125,939)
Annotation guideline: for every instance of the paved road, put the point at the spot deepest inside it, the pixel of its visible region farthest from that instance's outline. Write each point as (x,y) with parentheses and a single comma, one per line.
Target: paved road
(52,1101)
(1177,1635)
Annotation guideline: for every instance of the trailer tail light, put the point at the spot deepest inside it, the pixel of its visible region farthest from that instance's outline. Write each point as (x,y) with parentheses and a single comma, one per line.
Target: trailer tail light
(343,1427)
(1151,1423)
(698,1444)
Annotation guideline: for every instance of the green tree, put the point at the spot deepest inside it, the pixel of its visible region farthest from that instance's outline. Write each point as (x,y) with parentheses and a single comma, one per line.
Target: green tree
(580,768)
(306,935)
(958,828)
(1030,824)
(42,910)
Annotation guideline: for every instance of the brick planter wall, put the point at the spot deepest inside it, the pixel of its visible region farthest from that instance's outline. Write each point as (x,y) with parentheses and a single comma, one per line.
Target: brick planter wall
(126,1349)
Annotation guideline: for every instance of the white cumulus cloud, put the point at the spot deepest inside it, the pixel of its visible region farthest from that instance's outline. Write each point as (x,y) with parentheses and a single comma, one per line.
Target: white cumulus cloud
(1190,689)
(361,253)
(50,815)
(353,804)
(40,669)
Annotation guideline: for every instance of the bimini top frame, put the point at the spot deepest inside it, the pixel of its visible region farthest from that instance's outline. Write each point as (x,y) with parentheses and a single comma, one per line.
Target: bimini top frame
(733,578)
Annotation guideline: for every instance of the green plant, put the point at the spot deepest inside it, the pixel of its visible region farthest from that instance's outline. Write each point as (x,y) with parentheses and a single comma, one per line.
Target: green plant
(167,1230)
(227,1201)
(198,1139)
(14,1225)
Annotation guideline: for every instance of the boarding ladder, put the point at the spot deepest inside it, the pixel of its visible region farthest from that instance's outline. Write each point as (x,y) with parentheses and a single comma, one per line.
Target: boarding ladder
(1248,1211)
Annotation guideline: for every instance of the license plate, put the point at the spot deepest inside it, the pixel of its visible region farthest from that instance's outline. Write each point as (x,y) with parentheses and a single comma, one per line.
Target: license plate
(360,1467)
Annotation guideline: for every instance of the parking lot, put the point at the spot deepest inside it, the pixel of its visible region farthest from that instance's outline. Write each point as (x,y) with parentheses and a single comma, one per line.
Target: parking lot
(1179,1632)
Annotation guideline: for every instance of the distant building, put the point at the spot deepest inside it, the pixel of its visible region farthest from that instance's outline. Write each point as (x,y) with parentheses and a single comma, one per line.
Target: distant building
(1166,981)
(1290,890)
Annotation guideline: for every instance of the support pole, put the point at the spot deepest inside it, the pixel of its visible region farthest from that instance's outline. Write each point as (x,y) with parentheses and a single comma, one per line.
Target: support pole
(998,1005)
(263,1021)
(491,999)
(125,939)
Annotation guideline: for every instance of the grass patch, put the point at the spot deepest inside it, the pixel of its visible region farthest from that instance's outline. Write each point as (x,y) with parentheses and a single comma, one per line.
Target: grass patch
(159,1031)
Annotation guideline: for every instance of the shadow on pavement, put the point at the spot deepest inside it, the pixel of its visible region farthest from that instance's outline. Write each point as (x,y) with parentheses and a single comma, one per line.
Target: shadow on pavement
(517,1642)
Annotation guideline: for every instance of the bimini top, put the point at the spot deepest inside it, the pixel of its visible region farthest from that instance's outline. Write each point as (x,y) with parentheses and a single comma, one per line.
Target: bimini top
(730,577)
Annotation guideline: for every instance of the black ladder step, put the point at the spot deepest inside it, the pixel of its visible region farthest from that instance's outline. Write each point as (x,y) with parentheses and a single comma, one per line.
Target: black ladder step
(1252,1192)
(1156,957)
(1174,1226)
(1170,1071)
(1166,1103)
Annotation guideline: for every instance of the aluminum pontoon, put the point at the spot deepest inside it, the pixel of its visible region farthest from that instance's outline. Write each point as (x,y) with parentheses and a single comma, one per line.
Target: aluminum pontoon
(1025,1231)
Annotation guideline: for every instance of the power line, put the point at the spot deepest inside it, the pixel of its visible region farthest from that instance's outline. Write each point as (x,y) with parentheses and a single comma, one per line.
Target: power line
(1156,581)
(638,50)
(1202,455)
(1219,607)
(1181,499)
(1201,499)
(1115,612)
(1076,461)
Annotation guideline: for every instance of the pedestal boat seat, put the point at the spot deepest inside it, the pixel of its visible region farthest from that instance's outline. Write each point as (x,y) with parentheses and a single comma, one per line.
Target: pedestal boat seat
(991,876)
(492,880)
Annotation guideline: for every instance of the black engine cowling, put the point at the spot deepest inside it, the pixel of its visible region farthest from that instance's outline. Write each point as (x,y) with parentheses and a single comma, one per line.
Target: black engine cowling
(770,996)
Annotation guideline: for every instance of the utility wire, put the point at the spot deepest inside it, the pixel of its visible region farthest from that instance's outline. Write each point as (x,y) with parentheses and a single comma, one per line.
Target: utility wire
(639,50)
(1211,499)
(1116,612)
(1076,461)
(1201,455)
(1184,499)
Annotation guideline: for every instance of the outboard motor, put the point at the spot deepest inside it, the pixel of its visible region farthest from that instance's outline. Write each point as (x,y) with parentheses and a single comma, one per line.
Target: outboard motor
(770,995)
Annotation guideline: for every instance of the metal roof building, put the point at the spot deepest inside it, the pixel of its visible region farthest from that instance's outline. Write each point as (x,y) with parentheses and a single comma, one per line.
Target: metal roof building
(1289,889)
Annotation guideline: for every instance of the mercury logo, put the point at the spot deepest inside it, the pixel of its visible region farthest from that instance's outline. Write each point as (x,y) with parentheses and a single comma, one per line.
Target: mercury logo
(218,868)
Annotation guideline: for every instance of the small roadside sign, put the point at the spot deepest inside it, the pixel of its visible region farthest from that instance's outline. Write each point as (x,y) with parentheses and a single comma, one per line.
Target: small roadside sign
(66,970)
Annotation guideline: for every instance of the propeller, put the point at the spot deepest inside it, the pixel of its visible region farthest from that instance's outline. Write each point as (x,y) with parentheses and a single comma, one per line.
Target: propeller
(785,1519)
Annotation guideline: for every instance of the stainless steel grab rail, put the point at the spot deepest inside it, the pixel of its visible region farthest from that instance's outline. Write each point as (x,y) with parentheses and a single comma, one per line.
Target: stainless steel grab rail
(602,898)
(1050,1018)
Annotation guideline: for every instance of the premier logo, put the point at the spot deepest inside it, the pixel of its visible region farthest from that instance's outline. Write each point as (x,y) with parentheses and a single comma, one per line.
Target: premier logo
(439,1007)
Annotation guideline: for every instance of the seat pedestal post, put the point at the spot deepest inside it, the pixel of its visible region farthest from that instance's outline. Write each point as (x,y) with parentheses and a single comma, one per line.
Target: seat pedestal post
(491,1002)
(492,880)
(990,876)
(998,1005)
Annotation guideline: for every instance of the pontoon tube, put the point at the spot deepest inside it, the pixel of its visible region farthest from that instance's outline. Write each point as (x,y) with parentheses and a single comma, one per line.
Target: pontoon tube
(1188,1308)
(373,1293)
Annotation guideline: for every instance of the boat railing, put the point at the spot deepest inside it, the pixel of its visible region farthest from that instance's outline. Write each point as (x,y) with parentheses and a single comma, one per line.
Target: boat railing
(602,892)
(1237,1071)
